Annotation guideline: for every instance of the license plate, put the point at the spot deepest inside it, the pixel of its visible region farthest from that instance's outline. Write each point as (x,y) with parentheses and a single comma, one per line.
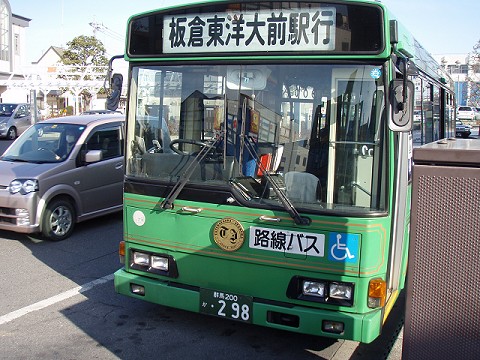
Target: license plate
(226,305)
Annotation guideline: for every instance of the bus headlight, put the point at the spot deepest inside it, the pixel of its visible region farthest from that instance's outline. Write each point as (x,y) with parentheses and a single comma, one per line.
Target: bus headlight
(321,291)
(340,291)
(141,259)
(314,288)
(161,264)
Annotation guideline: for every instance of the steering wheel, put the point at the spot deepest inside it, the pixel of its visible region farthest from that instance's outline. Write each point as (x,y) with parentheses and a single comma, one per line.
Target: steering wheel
(185,141)
(50,151)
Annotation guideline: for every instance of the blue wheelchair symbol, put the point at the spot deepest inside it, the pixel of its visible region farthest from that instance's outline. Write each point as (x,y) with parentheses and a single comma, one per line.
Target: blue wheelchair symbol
(376,73)
(343,247)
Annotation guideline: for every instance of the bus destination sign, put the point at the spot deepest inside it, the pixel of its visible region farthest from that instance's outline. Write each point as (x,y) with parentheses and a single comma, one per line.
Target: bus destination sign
(253,31)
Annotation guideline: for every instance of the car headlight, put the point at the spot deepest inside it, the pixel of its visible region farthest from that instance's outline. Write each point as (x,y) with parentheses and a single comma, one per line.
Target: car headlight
(3,126)
(23,186)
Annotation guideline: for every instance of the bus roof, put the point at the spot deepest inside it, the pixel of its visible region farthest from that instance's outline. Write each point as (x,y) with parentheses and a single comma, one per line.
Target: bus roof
(385,35)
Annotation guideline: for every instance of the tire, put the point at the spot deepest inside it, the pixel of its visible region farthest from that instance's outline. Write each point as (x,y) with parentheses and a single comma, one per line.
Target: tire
(58,220)
(12,133)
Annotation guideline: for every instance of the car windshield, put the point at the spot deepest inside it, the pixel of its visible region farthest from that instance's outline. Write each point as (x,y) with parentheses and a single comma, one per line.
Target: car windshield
(7,109)
(44,143)
(315,132)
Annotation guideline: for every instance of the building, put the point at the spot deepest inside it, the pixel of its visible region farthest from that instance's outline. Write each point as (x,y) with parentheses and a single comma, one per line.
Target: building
(465,72)
(49,96)
(12,52)
(55,89)
(52,56)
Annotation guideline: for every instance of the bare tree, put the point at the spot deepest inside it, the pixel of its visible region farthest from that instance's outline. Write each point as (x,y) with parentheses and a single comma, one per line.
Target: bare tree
(473,77)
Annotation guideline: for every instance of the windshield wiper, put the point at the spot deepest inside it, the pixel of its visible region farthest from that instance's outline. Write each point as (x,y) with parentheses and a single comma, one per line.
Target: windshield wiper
(284,200)
(13,159)
(31,161)
(167,203)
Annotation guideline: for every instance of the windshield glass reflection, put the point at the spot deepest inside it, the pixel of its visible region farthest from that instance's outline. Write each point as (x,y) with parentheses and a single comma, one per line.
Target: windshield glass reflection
(313,131)
(43,143)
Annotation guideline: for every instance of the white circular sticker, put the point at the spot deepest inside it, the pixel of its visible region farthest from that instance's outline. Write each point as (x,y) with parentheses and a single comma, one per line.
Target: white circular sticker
(138,218)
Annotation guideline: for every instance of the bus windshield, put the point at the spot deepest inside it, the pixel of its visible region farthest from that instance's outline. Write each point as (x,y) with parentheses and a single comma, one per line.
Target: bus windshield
(313,133)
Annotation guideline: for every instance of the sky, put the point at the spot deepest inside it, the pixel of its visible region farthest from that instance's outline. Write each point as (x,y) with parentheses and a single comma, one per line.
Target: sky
(441,26)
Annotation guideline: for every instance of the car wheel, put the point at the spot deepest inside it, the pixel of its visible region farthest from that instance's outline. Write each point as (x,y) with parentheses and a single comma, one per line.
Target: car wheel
(58,220)
(12,133)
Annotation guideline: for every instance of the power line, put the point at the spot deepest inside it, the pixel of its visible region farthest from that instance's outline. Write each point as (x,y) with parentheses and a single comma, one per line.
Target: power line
(105,30)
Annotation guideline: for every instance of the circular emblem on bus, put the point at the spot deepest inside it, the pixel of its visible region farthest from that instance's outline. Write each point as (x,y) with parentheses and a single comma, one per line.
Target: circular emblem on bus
(139,218)
(228,234)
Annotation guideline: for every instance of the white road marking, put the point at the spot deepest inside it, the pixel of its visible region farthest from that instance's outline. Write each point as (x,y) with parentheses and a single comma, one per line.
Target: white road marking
(54,299)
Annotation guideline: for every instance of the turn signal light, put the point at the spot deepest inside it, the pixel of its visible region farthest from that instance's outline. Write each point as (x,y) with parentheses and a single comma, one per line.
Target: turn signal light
(121,252)
(377,293)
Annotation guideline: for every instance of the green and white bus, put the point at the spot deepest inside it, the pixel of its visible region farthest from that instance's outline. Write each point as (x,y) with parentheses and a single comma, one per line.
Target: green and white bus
(268,160)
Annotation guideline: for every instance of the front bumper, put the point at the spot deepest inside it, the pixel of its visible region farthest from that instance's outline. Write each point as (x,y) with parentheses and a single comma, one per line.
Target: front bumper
(358,327)
(463,133)
(13,219)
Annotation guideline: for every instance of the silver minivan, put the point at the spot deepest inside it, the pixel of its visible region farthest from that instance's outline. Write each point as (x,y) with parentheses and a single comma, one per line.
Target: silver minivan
(62,171)
(14,119)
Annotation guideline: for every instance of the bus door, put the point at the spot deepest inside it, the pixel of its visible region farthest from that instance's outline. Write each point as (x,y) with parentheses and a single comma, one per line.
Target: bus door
(356,104)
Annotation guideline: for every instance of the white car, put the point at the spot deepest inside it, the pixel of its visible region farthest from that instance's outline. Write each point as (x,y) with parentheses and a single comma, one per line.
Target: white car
(467,113)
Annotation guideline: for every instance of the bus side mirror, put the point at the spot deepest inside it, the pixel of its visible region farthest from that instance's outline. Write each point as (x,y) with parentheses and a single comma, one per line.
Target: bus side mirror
(401,105)
(116,83)
(116,91)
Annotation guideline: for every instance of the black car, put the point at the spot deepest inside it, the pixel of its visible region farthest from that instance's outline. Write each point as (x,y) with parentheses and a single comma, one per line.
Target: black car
(462,130)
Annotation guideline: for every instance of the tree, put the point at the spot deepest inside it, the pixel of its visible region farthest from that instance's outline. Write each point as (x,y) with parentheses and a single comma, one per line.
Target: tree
(84,51)
(84,54)
(473,78)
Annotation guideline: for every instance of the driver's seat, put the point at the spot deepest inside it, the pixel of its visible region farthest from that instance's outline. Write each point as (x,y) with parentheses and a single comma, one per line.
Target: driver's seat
(301,186)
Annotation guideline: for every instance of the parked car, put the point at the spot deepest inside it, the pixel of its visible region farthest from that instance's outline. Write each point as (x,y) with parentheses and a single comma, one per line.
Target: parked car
(62,171)
(14,119)
(462,130)
(466,113)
